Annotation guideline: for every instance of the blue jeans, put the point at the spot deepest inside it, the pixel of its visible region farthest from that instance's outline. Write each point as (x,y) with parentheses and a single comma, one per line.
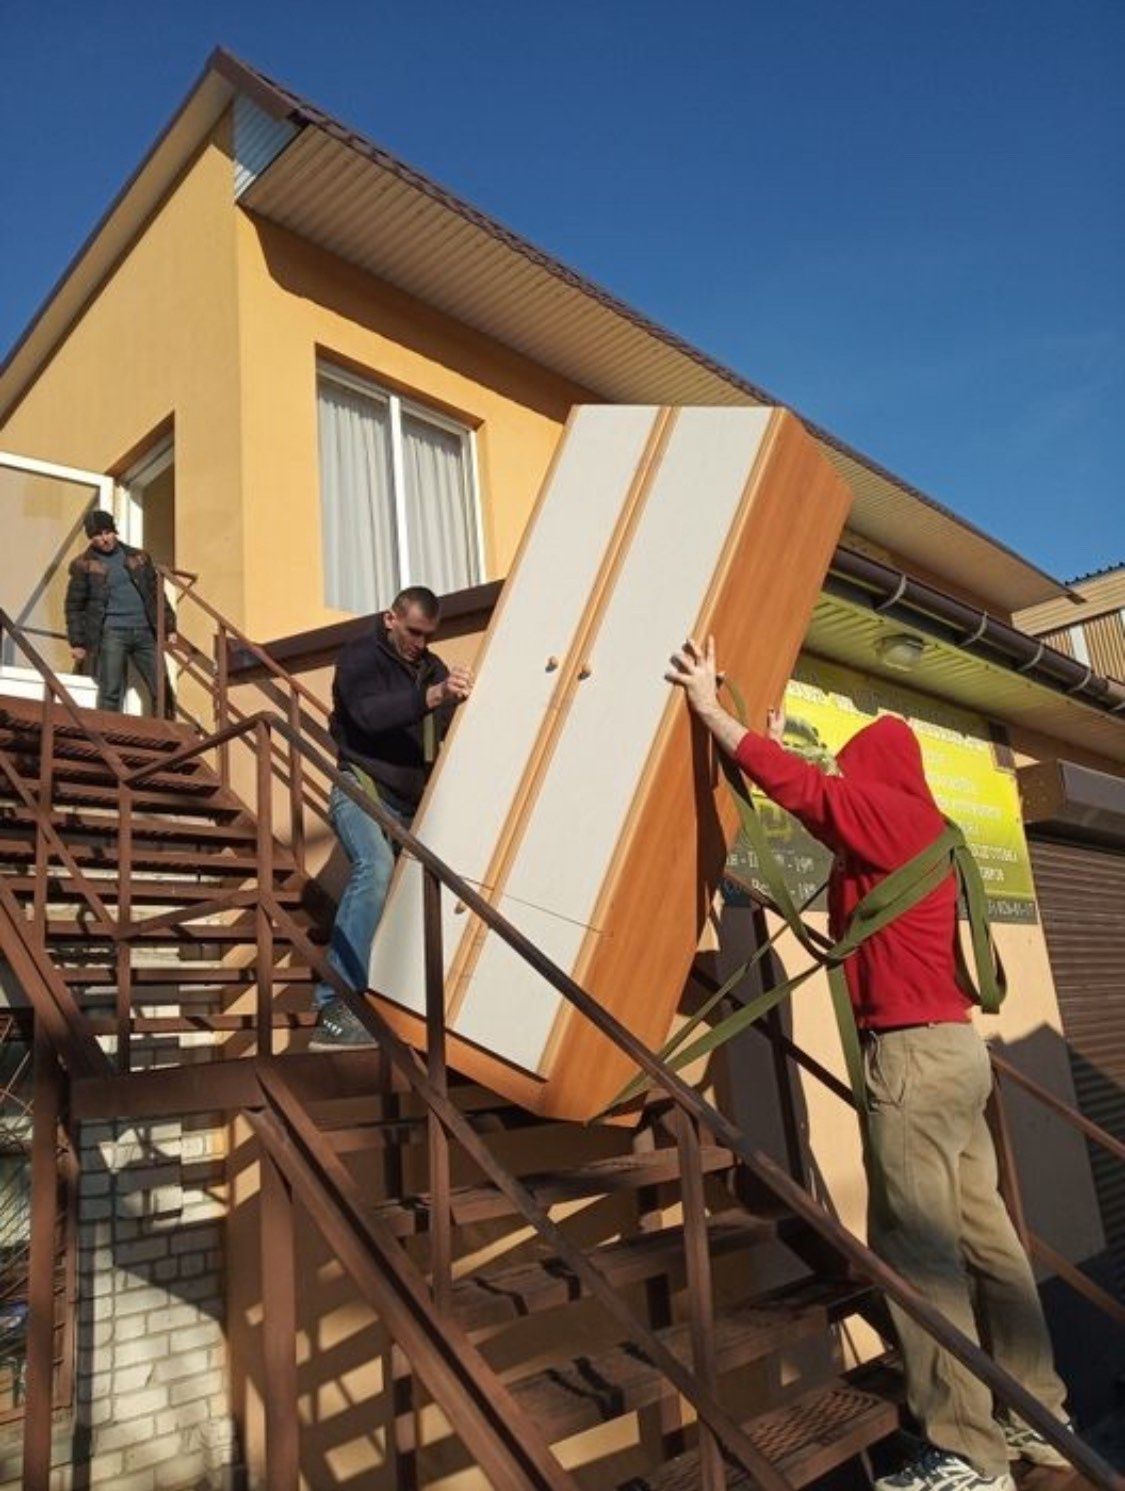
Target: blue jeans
(135,643)
(372,855)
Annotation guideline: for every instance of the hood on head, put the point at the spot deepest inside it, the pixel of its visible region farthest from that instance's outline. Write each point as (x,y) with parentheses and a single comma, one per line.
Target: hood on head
(886,753)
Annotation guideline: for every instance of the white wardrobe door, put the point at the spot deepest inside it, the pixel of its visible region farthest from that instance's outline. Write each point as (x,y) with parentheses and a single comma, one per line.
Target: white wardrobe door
(496,731)
(600,757)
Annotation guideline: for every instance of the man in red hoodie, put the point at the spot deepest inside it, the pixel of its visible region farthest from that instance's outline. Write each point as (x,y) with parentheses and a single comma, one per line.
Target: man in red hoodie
(935,1213)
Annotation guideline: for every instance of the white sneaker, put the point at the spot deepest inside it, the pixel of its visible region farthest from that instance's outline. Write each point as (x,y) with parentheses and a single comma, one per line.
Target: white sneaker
(1024,1443)
(939,1470)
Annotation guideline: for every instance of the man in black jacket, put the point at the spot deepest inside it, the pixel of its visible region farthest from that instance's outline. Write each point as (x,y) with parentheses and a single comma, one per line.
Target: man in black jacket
(111,601)
(392,702)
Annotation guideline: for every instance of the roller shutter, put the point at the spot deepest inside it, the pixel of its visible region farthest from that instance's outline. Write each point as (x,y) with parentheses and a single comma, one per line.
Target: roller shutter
(1081,892)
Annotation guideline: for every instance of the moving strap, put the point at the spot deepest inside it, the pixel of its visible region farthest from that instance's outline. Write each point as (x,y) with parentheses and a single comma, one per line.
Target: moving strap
(895,894)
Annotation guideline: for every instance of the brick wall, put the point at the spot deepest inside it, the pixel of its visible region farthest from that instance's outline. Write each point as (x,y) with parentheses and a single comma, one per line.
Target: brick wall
(151,1405)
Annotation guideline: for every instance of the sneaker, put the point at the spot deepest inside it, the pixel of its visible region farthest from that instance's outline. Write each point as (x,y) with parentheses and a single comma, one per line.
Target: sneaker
(939,1470)
(337,1028)
(1025,1444)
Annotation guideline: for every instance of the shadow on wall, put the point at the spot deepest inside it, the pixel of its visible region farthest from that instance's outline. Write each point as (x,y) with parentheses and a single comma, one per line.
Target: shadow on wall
(309,273)
(1062,1176)
(1061,1172)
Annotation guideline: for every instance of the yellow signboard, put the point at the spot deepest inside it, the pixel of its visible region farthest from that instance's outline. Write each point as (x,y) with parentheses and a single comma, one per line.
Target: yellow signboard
(826,704)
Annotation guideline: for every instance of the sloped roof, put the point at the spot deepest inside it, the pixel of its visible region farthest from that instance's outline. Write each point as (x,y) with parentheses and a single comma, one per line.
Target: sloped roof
(334,187)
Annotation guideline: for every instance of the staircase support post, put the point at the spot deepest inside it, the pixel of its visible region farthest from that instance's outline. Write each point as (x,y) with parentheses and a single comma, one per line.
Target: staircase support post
(441,1228)
(279,1327)
(47,1103)
(263,746)
(701,1299)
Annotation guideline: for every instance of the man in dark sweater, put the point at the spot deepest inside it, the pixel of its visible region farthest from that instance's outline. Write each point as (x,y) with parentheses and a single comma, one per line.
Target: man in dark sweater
(111,601)
(934,1211)
(392,702)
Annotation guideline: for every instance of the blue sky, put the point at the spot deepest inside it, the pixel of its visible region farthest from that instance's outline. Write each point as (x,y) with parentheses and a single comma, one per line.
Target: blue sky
(903,217)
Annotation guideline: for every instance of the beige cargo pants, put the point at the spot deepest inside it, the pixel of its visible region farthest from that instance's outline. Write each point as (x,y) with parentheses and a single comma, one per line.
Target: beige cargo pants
(936,1216)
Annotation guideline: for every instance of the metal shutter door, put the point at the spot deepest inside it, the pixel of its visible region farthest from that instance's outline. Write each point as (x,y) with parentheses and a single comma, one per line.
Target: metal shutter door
(1081,892)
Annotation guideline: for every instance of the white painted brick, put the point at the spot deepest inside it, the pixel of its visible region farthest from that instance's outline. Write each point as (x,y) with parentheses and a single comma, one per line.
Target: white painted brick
(139,1480)
(206,1334)
(206,1209)
(105,1468)
(144,1349)
(194,1388)
(192,1264)
(130,1329)
(194,1239)
(160,1201)
(148,1177)
(182,1364)
(186,1416)
(132,1379)
(92,1388)
(203,1288)
(145,1299)
(122,1436)
(135,1405)
(142,1251)
(93,1210)
(153,1452)
(174,1318)
(186,1471)
(96,1414)
(166,1269)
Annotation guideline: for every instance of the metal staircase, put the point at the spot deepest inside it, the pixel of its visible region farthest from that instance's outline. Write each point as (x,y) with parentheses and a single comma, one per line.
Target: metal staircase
(152,889)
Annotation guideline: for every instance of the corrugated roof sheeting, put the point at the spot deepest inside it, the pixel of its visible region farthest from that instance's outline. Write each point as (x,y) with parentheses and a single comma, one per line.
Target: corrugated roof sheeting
(325,188)
(848,634)
(1105,638)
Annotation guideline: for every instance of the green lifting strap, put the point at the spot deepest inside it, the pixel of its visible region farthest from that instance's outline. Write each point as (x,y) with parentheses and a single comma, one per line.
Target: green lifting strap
(895,894)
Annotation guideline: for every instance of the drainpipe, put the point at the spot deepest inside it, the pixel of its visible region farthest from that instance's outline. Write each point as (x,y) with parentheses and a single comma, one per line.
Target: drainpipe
(854,577)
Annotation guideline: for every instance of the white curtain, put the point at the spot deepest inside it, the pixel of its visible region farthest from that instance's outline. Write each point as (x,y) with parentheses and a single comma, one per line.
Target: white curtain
(439,507)
(357,506)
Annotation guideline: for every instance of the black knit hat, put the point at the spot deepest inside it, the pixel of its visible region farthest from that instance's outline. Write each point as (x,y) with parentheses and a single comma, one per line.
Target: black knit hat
(98,521)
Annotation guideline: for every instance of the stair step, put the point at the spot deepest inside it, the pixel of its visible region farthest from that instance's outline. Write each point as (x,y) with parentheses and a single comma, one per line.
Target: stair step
(116,728)
(570,1397)
(497,1294)
(803,1439)
(188,1023)
(219,862)
(221,802)
(182,973)
(71,821)
(168,892)
(97,773)
(481,1203)
(188,935)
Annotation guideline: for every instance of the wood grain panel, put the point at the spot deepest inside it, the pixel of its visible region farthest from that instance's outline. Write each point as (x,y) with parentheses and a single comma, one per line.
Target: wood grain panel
(674,846)
(671,844)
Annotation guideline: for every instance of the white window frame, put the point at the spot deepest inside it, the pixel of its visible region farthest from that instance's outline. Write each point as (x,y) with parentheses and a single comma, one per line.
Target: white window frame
(130,489)
(398,406)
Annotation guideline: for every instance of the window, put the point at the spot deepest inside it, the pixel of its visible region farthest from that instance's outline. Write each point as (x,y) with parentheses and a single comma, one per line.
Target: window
(397,493)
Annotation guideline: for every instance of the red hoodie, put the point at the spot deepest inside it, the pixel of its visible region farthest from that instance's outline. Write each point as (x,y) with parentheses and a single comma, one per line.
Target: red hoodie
(876,816)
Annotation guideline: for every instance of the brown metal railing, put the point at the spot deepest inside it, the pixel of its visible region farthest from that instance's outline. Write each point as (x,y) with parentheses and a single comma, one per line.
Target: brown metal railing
(720,1436)
(1003,1071)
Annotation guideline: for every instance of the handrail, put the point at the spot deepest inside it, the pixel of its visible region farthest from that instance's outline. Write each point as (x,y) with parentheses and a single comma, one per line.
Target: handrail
(1011,1392)
(697,1110)
(61,695)
(1063,1110)
(184,580)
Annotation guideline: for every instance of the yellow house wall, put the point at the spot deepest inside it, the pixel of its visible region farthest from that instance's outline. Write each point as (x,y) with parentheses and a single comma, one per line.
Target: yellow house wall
(298,302)
(159,342)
